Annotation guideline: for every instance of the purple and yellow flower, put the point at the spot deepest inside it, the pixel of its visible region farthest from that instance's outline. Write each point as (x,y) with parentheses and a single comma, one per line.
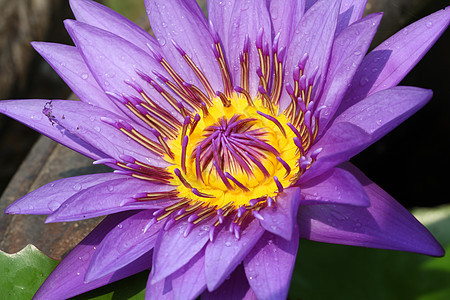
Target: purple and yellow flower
(229,140)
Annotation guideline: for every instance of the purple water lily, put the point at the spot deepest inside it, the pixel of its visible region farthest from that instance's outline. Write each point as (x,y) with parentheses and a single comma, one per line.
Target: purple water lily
(229,141)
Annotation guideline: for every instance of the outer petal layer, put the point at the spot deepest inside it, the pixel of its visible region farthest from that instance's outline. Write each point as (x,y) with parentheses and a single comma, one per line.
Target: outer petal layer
(337,186)
(190,281)
(386,65)
(270,264)
(313,36)
(184,22)
(71,67)
(348,52)
(106,198)
(247,19)
(125,243)
(67,279)
(86,122)
(340,143)
(48,198)
(383,111)
(280,218)
(30,113)
(116,69)
(176,246)
(226,253)
(95,14)
(234,288)
(385,224)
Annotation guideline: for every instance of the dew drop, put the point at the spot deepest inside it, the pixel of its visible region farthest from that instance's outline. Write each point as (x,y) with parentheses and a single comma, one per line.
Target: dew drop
(110,188)
(84,76)
(97,128)
(162,41)
(36,117)
(227,244)
(357,53)
(429,24)
(364,81)
(164,24)
(77,187)
(379,122)
(53,205)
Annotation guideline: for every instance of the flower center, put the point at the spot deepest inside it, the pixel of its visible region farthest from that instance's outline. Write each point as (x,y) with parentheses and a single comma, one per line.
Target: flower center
(235,153)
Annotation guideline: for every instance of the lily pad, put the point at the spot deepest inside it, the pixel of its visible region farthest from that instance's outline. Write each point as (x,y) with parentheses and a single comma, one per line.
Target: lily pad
(23,272)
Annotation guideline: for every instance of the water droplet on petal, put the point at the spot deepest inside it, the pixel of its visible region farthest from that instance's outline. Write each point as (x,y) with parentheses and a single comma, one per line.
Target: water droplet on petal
(429,24)
(162,41)
(77,187)
(84,76)
(364,81)
(53,205)
(227,244)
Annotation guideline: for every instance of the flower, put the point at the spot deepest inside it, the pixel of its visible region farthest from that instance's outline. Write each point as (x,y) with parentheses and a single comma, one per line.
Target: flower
(229,141)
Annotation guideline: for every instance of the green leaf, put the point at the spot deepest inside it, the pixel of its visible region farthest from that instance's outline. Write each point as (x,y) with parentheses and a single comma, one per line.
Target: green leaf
(23,272)
(325,271)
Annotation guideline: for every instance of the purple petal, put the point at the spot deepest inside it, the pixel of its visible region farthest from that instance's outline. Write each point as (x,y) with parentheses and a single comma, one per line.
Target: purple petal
(270,264)
(389,63)
(114,68)
(226,252)
(173,250)
(190,281)
(385,224)
(67,279)
(350,12)
(161,290)
(219,13)
(314,36)
(234,288)
(248,17)
(29,112)
(381,112)
(340,143)
(106,198)
(46,199)
(95,14)
(184,22)
(280,218)
(285,15)
(70,66)
(336,186)
(85,121)
(348,51)
(125,243)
